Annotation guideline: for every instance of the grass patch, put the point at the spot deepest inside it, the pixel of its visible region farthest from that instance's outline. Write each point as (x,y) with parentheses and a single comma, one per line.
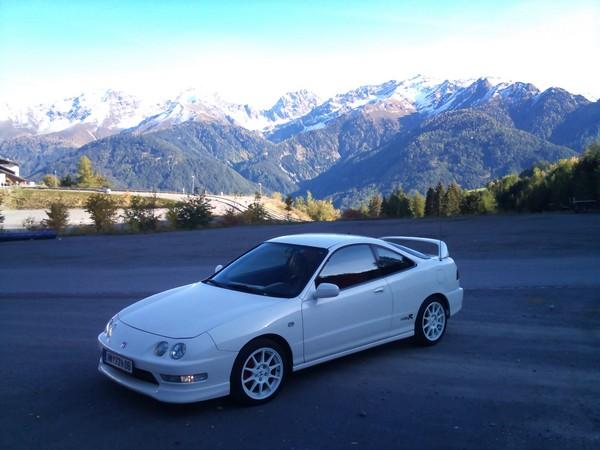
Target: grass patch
(27,198)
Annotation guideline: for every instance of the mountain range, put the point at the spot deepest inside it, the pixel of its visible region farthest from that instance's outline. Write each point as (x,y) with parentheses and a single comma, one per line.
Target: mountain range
(413,133)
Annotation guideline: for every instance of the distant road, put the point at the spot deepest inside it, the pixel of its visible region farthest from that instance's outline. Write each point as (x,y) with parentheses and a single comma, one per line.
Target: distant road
(77,216)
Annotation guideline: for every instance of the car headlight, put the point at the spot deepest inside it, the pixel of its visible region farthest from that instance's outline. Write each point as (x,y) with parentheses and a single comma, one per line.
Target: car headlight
(161,348)
(110,326)
(178,350)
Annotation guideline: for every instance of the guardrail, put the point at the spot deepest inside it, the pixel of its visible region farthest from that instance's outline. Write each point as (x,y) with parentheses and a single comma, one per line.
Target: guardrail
(27,235)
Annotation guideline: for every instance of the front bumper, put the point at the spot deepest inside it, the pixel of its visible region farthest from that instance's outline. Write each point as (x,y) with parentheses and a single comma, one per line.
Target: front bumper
(166,392)
(201,357)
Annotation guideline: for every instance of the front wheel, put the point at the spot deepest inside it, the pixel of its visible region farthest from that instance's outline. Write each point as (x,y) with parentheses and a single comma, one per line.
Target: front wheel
(259,372)
(430,325)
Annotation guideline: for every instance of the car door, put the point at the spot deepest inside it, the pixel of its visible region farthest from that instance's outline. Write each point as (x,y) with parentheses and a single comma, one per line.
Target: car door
(405,285)
(360,314)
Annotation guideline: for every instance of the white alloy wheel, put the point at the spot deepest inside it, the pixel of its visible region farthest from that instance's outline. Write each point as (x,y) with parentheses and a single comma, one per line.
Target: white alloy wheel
(262,373)
(434,321)
(259,372)
(431,322)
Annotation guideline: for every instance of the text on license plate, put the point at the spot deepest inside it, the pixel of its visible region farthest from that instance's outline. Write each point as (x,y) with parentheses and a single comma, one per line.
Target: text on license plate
(118,361)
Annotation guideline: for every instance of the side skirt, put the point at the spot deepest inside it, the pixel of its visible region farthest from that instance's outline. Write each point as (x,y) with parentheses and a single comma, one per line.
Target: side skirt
(323,359)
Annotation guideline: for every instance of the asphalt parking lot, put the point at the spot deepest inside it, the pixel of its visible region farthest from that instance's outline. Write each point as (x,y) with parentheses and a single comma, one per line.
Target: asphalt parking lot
(518,368)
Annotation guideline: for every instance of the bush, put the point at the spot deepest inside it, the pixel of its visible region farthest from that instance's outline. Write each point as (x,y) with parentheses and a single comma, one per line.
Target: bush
(320,210)
(68,181)
(103,210)
(481,201)
(1,216)
(353,214)
(51,181)
(232,218)
(141,214)
(255,214)
(58,217)
(191,213)
(29,223)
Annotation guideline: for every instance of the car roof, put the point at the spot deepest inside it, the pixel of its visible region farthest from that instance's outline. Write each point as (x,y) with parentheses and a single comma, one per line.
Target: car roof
(324,240)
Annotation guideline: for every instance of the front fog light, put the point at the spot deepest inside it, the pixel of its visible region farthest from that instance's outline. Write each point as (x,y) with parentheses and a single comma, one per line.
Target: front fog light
(178,350)
(196,378)
(161,348)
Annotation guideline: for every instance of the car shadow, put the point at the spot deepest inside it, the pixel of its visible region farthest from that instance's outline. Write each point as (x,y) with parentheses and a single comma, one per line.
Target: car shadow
(124,399)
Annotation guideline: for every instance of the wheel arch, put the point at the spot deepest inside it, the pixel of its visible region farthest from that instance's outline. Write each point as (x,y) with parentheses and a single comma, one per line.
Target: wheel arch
(279,340)
(443,299)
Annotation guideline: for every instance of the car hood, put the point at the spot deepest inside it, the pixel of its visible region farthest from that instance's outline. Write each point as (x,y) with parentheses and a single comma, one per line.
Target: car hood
(189,311)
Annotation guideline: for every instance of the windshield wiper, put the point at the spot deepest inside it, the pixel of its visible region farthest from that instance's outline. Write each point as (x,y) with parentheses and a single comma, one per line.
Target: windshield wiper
(236,287)
(245,288)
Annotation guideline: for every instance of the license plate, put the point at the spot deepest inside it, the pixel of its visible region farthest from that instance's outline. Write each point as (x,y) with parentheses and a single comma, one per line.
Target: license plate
(117,361)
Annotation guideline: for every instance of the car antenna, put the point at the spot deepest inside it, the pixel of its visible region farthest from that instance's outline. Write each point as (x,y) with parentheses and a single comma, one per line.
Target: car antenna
(440,237)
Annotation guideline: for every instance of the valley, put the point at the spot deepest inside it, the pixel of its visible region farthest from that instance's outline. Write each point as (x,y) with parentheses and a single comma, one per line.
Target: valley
(411,133)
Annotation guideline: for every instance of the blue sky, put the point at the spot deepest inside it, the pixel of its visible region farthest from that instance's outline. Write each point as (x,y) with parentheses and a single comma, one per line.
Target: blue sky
(252,51)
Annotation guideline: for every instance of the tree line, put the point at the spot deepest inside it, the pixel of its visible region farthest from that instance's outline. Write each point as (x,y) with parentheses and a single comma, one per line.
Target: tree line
(86,177)
(544,187)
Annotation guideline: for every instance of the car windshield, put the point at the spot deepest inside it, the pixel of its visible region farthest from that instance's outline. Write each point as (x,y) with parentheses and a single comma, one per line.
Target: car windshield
(271,269)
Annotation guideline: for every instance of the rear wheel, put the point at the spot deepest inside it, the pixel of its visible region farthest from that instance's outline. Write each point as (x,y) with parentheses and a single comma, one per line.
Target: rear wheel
(259,372)
(430,325)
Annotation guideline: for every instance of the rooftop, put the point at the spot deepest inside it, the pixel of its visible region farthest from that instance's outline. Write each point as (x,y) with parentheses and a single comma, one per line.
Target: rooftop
(7,161)
(323,240)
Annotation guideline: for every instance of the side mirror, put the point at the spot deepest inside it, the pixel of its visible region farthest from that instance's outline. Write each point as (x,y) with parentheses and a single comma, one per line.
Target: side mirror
(219,267)
(327,290)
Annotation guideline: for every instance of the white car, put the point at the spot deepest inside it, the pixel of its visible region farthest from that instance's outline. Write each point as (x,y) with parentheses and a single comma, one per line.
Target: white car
(287,304)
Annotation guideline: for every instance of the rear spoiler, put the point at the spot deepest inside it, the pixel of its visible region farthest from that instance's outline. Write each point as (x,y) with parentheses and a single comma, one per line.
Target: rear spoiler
(441,245)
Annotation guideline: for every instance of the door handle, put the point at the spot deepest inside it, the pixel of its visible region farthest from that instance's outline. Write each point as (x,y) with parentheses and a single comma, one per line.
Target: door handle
(379,290)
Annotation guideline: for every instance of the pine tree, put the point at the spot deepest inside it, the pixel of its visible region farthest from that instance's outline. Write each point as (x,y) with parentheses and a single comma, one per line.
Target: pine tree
(397,204)
(375,205)
(86,177)
(417,205)
(191,213)
(289,201)
(439,205)
(430,203)
(58,216)
(85,173)
(452,200)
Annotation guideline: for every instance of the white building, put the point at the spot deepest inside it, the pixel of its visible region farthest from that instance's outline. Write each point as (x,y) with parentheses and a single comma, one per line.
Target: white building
(9,173)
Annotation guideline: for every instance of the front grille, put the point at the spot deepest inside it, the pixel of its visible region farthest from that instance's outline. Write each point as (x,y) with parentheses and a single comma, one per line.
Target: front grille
(143,375)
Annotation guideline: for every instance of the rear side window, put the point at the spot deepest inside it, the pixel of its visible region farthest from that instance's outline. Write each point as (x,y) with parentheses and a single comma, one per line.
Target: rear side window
(349,266)
(390,262)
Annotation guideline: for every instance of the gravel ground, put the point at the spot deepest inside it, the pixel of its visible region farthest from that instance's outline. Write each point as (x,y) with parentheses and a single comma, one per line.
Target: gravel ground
(519,366)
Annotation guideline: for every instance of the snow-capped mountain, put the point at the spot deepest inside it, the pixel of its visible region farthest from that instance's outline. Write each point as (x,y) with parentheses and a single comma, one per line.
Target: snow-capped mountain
(410,132)
(98,113)
(93,115)
(194,105)
(417,94)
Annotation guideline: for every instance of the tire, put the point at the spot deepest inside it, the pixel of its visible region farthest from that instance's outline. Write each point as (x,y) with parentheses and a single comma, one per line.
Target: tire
(259,372)
(431,322)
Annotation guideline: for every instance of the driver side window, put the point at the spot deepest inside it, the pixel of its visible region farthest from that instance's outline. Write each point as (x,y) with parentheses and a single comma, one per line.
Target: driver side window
(349,266)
